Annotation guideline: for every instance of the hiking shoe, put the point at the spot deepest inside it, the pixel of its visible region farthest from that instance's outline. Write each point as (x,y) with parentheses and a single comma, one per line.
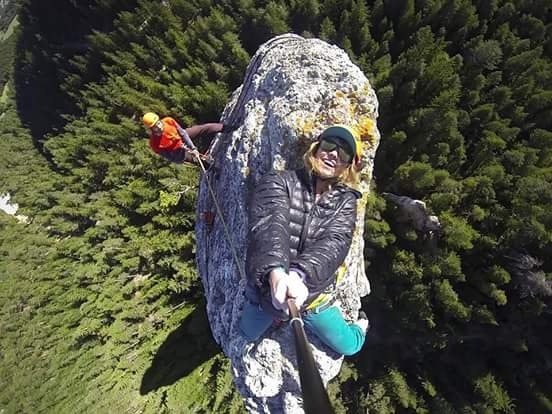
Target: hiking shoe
(362,321)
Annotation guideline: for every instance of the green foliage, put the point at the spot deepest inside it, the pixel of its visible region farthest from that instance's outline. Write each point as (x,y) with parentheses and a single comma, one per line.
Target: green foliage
(416,175)
(378,400)
(486,54)
(451,267)
(448,299)
(461,114)
(97,287)
(493,394)
(377,231)
(459,235)
(401,393)
(405,267)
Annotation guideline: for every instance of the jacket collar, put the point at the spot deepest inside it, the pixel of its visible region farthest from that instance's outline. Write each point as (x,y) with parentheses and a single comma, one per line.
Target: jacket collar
(308,179)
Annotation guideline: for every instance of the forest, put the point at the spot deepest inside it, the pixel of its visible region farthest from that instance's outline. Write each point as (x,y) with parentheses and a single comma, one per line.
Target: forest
(101,309)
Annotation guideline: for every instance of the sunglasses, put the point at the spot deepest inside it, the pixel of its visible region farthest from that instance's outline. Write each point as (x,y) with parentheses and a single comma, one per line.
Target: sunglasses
(343,151)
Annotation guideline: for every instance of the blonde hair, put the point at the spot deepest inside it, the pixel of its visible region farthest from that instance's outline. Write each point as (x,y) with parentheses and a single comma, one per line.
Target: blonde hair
(349,177)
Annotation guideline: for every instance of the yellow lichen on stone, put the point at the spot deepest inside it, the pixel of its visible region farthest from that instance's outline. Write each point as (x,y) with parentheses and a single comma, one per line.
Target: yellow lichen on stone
(340,94)
(352,108)
(365,128)
(306,127)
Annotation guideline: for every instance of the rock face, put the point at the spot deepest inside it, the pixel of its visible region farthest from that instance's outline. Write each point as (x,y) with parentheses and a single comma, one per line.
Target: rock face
(293,89)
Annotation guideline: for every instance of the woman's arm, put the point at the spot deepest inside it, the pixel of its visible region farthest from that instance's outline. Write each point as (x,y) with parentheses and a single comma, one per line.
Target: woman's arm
(268,238)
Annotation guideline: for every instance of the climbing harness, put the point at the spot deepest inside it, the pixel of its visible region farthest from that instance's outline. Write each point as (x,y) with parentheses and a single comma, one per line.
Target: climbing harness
(327,298)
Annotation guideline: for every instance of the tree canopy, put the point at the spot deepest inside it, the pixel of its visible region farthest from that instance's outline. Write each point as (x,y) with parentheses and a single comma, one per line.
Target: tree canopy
(100,301)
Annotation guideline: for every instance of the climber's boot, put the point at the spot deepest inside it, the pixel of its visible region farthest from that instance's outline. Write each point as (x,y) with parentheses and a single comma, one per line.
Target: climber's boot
(363,322)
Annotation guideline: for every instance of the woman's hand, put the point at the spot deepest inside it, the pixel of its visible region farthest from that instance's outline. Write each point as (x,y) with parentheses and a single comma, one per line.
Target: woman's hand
(284,286)
(278,288)
(297,289)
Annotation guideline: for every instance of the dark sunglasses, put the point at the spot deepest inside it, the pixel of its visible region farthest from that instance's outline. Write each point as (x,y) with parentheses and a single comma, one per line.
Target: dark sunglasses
(343,151)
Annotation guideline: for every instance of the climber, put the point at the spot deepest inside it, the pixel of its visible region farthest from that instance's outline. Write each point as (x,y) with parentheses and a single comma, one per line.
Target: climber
(166,137)
(415,213)
(301,226)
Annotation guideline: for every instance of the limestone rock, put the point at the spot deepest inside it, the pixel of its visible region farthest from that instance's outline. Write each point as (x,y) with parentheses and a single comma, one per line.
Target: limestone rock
(415,213)
(293,89)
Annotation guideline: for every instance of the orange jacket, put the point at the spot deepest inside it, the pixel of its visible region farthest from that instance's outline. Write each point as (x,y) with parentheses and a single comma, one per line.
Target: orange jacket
(170,139)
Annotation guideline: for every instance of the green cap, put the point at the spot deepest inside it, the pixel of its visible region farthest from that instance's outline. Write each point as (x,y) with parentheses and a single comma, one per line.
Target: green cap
(343,133)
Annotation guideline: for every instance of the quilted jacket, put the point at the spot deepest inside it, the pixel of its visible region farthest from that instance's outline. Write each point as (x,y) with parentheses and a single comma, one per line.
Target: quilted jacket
(288,229)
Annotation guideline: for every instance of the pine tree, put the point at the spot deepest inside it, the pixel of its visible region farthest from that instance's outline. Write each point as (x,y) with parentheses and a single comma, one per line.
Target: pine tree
(105,271)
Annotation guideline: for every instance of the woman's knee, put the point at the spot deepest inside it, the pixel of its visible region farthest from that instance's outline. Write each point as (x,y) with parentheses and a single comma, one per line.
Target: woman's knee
(248,331)
(330,327)
(348,344)
(349,347)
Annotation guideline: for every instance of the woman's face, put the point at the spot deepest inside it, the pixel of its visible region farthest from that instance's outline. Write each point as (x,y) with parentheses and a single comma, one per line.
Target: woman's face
(333,158)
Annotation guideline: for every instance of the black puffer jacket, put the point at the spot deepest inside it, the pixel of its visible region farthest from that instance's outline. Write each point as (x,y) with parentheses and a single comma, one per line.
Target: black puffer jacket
(288,229)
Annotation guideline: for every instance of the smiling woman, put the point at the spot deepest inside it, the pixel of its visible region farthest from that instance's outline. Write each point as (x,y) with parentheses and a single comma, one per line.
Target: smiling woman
(335,157)
(301,227)
(330,144)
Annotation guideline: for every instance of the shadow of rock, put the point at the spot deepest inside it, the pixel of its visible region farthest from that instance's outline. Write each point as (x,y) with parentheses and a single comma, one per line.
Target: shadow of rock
(41,65)
(184,350)
(49,38)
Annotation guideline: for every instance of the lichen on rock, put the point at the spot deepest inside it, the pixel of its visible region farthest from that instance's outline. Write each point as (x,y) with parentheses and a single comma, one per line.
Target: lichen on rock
(293,89)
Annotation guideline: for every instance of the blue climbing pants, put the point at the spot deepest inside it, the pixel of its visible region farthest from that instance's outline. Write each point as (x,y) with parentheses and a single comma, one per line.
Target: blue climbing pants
(327,324)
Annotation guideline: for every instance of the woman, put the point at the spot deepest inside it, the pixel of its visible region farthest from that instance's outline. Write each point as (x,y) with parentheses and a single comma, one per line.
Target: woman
(301,225)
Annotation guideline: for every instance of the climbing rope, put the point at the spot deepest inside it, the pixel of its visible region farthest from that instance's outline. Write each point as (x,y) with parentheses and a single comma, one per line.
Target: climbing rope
(219,211)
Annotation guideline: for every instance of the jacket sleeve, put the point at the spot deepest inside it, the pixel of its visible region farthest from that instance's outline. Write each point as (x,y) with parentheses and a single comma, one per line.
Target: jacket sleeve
(321,258)
(204,130)
(268,237)
(184,135)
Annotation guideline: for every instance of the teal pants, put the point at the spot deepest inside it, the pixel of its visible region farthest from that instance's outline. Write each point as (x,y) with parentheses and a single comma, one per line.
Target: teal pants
(328,325)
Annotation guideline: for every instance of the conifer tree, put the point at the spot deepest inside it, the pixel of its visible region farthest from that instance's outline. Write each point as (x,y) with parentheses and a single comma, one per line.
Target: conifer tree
(103,276)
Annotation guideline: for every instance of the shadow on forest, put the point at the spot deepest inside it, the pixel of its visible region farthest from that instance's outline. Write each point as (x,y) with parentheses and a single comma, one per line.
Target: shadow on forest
(184,350)
(49,38)
(40,61)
